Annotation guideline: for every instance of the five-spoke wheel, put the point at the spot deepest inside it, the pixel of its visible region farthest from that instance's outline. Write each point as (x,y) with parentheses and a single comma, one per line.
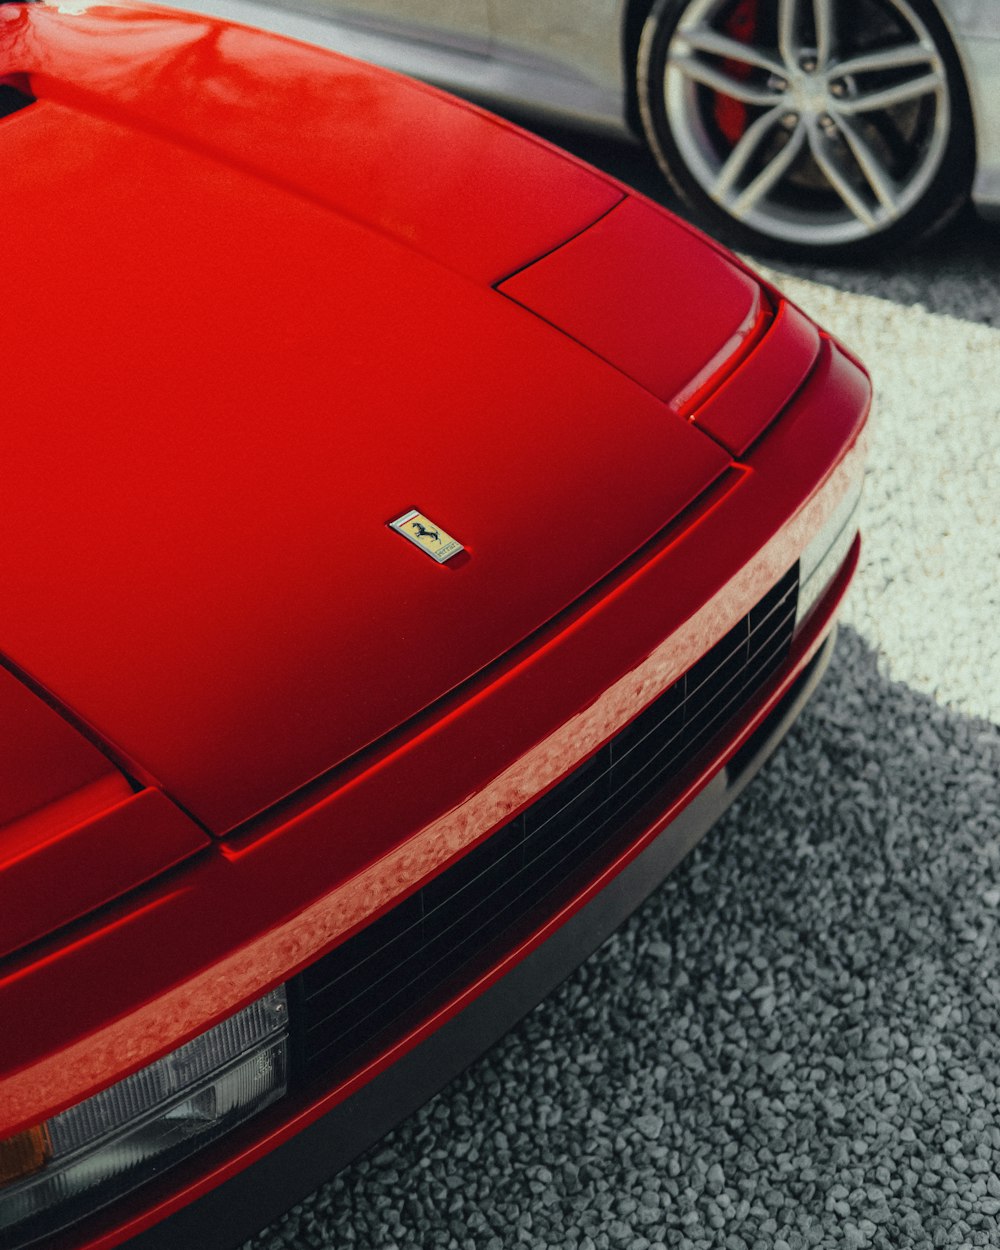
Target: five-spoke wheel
(807,125)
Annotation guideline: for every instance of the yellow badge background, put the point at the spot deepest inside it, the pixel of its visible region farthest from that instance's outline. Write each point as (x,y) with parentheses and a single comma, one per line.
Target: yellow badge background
(430,538)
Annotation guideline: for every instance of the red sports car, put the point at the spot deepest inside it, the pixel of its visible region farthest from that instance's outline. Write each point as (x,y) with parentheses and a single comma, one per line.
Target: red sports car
(412,541)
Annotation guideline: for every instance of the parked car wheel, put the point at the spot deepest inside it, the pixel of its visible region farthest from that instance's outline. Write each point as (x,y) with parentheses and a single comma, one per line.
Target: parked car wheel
(808,126)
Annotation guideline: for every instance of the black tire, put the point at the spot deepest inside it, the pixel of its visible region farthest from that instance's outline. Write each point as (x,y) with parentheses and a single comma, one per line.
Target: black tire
(925,145)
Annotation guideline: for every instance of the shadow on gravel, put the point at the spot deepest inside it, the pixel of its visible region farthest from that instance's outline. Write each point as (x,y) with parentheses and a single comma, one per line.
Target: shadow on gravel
(957,273)
(794,1042)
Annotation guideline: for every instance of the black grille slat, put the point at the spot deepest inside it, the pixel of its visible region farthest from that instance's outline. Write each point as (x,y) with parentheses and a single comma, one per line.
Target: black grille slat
(334,1014)
(774,626)
(356,995)
(654,763)
(575,792)
(727,652)
(365,945)
(506,858)
(785,592)
(376,974)
(347,1030)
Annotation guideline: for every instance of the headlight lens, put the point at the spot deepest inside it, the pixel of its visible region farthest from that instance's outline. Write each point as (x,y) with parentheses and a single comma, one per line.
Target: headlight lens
(89,1155)
(822,559)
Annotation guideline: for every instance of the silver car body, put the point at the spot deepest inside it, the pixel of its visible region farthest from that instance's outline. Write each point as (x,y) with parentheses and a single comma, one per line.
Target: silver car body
(568,59)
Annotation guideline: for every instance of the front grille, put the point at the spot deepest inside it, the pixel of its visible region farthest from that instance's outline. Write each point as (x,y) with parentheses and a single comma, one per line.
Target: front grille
(356,995)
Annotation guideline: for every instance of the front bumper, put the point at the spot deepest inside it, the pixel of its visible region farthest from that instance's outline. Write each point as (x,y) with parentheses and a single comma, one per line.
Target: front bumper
(238,1209)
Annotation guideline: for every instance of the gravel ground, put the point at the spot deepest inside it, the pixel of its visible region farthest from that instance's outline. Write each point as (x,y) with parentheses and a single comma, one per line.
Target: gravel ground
(794,1042)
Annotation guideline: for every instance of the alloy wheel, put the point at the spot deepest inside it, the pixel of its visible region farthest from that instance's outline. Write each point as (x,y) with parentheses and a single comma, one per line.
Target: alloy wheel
(805,122)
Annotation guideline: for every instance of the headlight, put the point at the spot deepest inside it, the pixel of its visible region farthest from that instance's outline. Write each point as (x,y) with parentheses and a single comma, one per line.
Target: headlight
(822,559)
(93,1153)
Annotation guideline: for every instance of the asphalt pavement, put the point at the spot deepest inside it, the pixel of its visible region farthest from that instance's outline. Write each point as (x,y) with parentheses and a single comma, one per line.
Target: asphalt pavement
(795,1041)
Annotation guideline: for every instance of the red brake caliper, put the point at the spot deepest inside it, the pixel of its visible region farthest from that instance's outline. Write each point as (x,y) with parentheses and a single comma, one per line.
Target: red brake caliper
(731,115)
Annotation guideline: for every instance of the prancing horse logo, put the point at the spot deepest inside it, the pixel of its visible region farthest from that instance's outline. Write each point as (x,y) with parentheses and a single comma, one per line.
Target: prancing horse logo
(417,528)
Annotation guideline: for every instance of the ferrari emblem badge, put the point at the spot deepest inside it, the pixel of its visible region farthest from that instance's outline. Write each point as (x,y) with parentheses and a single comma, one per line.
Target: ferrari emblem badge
(423,533)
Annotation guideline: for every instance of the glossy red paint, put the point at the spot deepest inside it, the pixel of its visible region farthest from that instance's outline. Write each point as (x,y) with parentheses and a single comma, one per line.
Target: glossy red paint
(315,124)
(614,288)
(743,405)
(82,852)
(43,759)
(162,500)
(259,333)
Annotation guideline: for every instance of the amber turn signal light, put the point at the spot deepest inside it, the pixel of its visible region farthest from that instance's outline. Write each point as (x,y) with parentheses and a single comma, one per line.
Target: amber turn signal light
(24,1153)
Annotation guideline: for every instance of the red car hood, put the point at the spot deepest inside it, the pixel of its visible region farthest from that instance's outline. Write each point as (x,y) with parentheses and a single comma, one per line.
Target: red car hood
(252,324)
